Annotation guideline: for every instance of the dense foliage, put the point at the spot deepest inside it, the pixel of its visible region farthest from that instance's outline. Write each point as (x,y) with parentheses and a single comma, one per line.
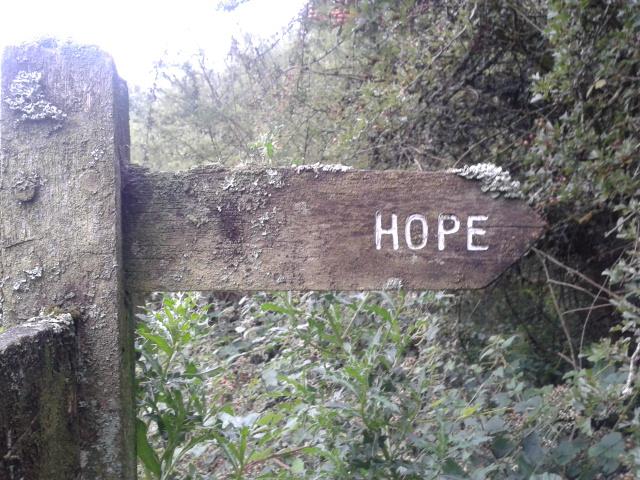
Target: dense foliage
(370,83)
(534,377)
(366,386)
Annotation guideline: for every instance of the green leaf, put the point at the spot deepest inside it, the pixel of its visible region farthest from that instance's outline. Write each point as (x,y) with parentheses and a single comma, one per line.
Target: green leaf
(452,469)
(502,446)
(468,411)
(145,452)
(270,378)
(532,449)
(495,424)
(269,149)
(380,311)
(566,451)
(297,466)
(610,446)
(274,307)
(157,340)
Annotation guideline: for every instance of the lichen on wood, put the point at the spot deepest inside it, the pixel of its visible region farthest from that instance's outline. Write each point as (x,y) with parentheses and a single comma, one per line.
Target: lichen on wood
(25,186)
(393,283)
(59,228)
(323,167)
(494,179)
(27,98)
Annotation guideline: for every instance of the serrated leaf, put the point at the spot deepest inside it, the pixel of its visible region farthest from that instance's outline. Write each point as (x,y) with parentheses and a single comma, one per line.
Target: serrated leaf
(274,307)
(610,446)
(452,470)
(532,449)
(502,446)
(380,311)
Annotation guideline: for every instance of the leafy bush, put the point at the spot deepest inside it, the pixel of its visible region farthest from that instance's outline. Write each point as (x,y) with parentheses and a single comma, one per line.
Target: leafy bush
(175,405)
(367,386)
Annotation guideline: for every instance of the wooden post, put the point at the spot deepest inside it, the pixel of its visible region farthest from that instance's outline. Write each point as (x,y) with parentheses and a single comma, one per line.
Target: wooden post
(63,140)
(38,405)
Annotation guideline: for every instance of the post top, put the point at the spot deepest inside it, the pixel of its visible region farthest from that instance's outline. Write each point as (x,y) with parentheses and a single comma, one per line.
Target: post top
(51,44)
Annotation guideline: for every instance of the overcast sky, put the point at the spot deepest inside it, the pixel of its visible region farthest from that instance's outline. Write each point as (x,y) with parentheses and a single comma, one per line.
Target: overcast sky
(137,32)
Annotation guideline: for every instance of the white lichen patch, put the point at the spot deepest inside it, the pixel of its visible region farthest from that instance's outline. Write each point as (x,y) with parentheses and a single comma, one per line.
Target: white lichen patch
(24,185)
(263,218)
(229,182)
(199,216)
(393,284)
(35,272)
(494,179)
(97,153)
(274,178)
(26,97)
(22,284)
(17,285)
(58,323)
(320,167)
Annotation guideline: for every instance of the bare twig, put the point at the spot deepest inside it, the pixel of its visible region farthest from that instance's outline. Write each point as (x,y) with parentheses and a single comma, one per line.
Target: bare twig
(281,464)
(633,368)
(573,271)
(474,146)
(563,322)
(588,309)
(573,286)
(586,322)
(436,57)
(525,17)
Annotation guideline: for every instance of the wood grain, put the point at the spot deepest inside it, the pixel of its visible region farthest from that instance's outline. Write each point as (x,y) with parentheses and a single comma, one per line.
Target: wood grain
(63,135)
(286,229)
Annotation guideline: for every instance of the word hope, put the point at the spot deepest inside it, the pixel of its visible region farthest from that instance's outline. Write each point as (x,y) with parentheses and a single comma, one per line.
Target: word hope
(448,224)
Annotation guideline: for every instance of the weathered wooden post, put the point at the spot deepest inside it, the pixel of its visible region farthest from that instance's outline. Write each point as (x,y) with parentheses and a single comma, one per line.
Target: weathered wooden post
(63,142)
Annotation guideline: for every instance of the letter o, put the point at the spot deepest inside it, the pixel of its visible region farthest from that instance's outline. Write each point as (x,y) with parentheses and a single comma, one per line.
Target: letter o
(407,231)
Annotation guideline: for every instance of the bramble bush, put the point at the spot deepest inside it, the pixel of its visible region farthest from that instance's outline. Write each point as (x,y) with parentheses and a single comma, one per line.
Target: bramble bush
(366,386)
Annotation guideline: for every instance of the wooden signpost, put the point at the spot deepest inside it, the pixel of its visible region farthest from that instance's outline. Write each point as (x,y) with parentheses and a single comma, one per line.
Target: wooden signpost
(82,230)
(318,228)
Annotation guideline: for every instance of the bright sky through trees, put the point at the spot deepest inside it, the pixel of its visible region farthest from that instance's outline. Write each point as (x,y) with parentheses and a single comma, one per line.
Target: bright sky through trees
(138,32)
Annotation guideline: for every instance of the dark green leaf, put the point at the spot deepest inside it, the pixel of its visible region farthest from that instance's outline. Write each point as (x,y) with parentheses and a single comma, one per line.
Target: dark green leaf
(145,452)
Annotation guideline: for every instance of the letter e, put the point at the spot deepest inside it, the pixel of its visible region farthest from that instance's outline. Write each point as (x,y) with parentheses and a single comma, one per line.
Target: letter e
(471,231)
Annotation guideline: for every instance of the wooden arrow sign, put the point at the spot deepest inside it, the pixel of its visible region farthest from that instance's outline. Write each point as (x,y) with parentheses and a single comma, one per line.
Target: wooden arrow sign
(315,228)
